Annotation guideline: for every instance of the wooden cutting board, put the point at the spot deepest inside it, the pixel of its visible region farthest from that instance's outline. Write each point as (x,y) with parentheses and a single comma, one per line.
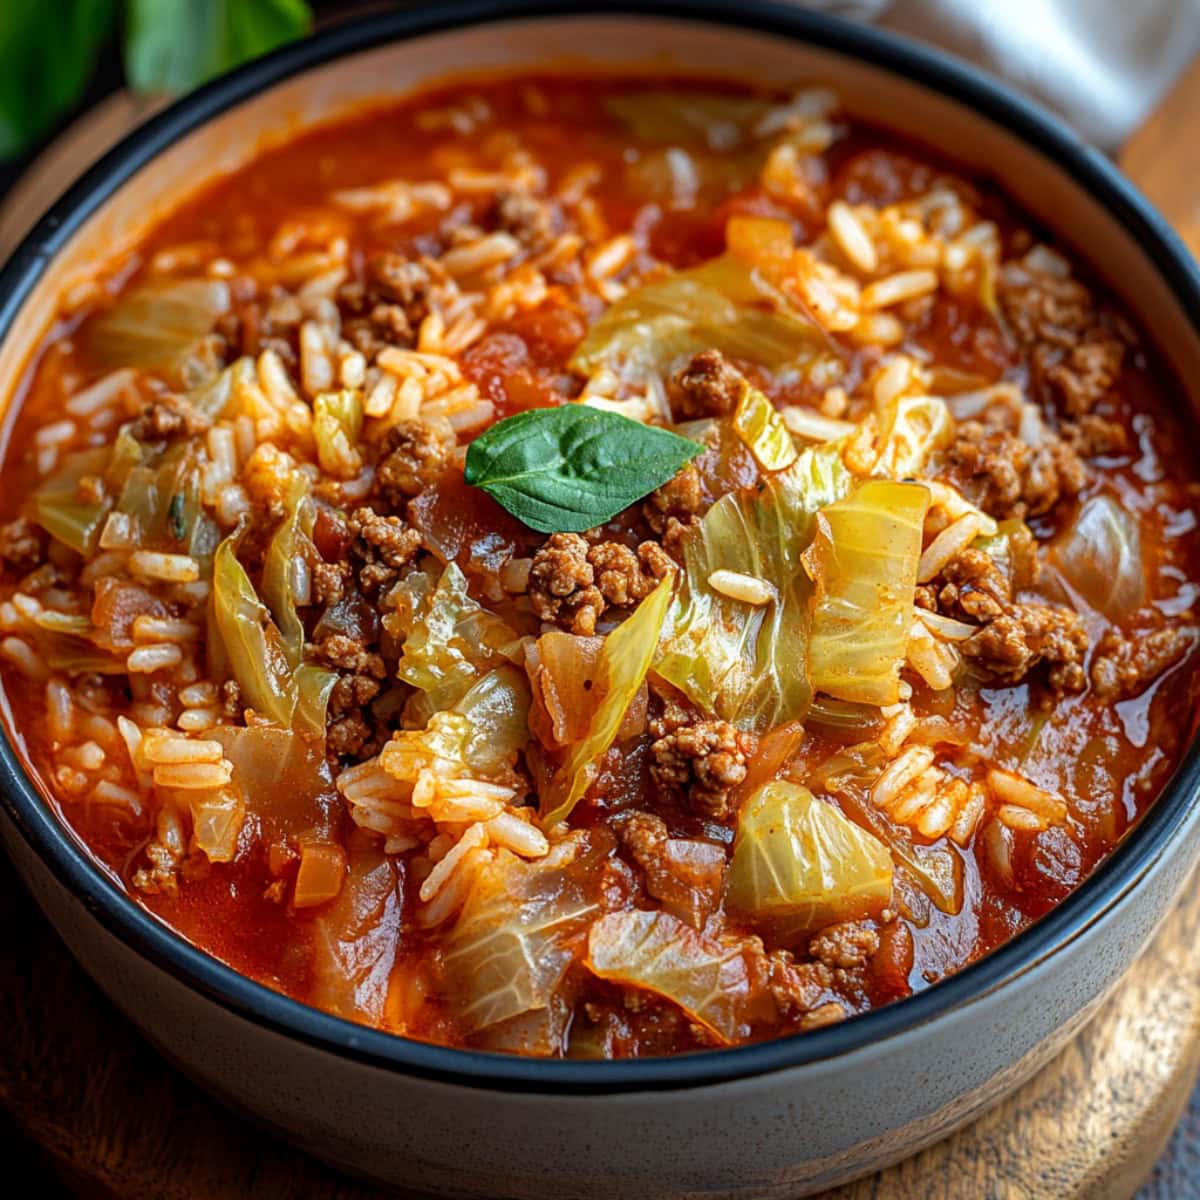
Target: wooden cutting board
(110,1119)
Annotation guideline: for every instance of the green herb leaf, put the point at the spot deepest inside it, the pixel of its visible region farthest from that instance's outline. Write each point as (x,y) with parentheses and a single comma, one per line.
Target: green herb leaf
(564,470)
(48,52)
(176,45)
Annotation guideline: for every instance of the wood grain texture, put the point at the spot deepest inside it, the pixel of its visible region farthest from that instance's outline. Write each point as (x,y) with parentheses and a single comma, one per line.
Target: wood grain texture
(1160,157)
(112,1120)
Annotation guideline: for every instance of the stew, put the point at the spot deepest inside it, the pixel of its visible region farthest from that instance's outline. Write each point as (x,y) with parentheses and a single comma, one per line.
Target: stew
(598,568)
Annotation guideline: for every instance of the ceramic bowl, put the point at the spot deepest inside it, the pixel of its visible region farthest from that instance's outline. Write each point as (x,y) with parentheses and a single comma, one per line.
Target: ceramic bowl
(783,1118)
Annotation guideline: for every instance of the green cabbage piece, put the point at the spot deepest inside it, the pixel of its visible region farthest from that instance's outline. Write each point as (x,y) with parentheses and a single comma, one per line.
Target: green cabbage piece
(451,640)
(1100,557)
(911,430)
(624,661)
(758,423)
(505,958)
(313,686)
(337,426)
(799,864)
(248,644)
(480,736)
(277,571)
(863,562)
(705,975)
(747,664)
(56,505)
(159,325)
(723,304)
(686,118)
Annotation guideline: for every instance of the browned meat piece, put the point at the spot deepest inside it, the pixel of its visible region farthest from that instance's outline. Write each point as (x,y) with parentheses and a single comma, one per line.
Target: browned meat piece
(625,577)
(350,736)
(388,307)
(970,587)
(845,946)
(167,418)
(384,546)
(351,655)
(412,454)
(1013,638)
(329,580)
(685,875)
(795,988)
(572,583)
(705,760)
(562,584)
(1093,435)
(1073,353)
(22,544)
(360,680)
(1007,477)
(231,699)
(709,386)
(1030,635)
(1126,665)
(533,222)
(672,509)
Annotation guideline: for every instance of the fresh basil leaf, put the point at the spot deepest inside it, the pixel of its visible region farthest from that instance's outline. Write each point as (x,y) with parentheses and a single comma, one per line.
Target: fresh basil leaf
(566,469)
(176,45)
(48,53)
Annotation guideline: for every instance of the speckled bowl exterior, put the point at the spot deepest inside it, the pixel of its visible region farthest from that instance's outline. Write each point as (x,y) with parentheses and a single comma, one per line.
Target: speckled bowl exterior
(780,1119)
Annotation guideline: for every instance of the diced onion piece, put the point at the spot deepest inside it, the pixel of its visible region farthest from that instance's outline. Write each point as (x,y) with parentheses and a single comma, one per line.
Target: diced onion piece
(321,873)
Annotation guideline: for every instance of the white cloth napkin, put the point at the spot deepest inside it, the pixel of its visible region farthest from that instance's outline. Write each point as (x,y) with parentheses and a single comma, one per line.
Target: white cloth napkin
(1101,64)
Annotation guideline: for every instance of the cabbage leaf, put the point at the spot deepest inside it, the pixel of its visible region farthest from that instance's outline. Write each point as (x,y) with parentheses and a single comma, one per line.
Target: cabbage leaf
(863,563)
(450,639)
(761,428)
(1100,558)
(248,641)
(277,572)
(799,864)
(705,975)
(520,929)
(157,325)
(742,663)
(911,430)
(624,661)
(722,304)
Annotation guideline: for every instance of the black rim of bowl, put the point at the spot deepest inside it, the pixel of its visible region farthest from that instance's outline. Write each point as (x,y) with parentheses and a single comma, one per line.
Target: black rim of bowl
(145,934)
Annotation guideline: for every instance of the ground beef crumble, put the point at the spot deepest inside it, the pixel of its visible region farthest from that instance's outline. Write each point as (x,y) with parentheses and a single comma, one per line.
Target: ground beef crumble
(1006,477)
(388,306)
(845,946)
(572,583)
(22,544)
(1013,638)
(411,456)
(167,418)
(708,387)
(673,509)
(705,760)
(361,675)
(534,222)
(1126,664)
(1076,358)
(384,546)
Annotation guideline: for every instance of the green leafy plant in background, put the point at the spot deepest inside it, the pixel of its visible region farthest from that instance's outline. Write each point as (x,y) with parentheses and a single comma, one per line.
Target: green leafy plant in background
(49,50)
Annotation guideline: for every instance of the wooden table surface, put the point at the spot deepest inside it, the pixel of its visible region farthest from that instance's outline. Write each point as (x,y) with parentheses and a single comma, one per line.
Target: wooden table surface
(108,1118)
